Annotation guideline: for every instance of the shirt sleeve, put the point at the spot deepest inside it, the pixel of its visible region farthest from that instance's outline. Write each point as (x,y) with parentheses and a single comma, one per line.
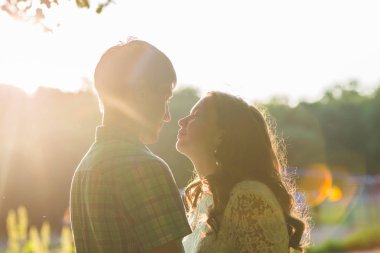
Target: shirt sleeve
(153,205)
(253,220)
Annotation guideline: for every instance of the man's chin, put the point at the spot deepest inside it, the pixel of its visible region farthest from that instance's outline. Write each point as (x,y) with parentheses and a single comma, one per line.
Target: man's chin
(150,138)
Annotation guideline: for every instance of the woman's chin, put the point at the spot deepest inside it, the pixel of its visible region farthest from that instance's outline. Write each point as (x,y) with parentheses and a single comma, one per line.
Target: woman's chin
(180,146)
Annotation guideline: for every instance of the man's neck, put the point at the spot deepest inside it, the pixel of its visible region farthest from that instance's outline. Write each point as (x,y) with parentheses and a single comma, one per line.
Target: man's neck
(119,122)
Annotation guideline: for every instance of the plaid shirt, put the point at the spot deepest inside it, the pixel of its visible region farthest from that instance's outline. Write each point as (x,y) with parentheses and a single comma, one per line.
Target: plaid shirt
(124,198)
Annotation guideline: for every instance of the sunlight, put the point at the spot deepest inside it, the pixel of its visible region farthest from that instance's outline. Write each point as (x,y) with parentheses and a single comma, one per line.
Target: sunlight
(121,106)
(344,194)
(316,183)
(8,136)
(335,194)
(33,58)
(286,59)
(319,185)
(231,59)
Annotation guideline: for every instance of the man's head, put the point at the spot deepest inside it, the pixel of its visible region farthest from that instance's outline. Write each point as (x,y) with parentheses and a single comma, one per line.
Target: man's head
(134,81)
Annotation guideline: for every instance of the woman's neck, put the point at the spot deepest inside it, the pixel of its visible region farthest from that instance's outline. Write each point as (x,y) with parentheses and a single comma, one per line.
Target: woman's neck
(204,164)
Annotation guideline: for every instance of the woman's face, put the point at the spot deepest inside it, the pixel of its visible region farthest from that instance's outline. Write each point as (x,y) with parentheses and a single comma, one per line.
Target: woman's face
(199,134)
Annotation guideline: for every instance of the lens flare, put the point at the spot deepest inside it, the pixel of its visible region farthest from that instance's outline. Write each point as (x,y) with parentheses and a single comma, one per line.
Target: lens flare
(316,182)
(335,194)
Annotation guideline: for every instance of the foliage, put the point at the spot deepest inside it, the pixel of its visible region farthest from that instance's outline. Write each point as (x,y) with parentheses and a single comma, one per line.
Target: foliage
(340,130)
(31,10)
(22,240)
(364,239)
(45,135)
(20,8)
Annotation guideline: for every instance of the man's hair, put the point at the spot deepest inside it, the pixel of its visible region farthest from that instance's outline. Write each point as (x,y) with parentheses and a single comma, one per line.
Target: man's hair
(128,64)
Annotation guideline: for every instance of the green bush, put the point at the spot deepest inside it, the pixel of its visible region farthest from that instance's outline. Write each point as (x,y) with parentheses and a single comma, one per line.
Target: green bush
(365,239)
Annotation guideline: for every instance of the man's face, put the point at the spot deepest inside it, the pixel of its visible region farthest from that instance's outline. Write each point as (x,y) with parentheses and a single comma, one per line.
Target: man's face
(154,109)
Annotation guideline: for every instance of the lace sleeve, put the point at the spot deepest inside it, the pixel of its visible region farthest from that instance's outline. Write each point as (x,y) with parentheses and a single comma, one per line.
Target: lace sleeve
(253,220)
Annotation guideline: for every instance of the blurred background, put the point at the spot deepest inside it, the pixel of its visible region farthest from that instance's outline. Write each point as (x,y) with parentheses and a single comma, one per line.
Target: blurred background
(314,66)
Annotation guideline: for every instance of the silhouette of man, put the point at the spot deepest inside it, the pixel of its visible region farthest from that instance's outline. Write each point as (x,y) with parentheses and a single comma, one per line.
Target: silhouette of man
(123,197)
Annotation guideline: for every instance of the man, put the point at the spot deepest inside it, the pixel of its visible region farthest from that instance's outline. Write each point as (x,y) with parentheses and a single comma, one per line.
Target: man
(123,197)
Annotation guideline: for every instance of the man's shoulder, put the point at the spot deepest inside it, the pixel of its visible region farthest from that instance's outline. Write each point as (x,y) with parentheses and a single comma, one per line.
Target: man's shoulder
(133,163)
(146,165)
(144,176)
(119,155)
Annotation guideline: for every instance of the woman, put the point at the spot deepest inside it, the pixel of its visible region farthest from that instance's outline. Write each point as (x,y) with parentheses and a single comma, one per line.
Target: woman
(240,200)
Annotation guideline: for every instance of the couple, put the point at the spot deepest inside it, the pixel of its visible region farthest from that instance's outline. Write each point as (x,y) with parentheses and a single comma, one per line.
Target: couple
(124,198)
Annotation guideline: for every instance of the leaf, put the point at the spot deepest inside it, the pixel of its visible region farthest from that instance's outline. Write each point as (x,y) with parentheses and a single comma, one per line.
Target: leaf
(46,2)
(100,8)
(39,14)
(83,3)
(7,10)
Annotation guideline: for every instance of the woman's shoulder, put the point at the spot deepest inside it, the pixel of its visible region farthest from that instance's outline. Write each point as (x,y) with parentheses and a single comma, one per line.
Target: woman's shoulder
(254,218)
(254,190)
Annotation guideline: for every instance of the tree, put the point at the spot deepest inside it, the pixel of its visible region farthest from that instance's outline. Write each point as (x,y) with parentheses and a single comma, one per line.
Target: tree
(301,131)
(340,130)
(32,10)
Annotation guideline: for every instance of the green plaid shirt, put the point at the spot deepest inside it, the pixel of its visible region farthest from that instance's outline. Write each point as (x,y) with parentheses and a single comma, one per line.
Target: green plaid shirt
(124,198)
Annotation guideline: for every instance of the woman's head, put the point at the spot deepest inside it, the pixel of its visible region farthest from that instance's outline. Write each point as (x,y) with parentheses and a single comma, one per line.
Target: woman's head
(200,135)
(232,132)
(238,138)
(247,146)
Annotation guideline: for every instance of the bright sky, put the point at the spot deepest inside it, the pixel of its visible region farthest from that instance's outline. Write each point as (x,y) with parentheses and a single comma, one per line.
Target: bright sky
(255,49)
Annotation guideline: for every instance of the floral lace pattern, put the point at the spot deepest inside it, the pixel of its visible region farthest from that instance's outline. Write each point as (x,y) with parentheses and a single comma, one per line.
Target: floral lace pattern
(252,222)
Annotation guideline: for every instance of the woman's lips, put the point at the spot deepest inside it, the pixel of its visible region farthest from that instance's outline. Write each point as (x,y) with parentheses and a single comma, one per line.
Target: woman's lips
(180,134)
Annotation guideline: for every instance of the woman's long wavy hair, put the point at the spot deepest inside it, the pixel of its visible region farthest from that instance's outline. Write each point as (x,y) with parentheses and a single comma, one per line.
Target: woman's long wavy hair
(249,150)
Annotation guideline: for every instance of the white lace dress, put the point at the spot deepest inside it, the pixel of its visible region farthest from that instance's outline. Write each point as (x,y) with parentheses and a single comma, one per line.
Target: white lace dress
(252,222)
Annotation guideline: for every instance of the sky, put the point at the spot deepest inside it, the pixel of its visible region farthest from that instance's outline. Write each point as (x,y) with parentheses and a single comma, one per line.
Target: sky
(254,49)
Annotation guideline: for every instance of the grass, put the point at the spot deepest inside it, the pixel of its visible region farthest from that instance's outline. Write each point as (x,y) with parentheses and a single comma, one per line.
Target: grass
(364,239)
(348,212)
